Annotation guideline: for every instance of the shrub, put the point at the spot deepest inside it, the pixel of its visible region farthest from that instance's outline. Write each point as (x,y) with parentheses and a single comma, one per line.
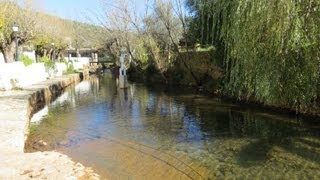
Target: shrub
(48,63)
(26,60)
(70,67)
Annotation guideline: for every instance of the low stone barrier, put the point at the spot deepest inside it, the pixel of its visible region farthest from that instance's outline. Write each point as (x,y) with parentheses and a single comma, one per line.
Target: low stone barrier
(16,75)
(16,110)
(17,107)
(47,91)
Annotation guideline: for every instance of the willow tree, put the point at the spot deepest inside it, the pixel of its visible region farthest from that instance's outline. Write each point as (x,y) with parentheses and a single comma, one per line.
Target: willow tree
(272,50)
(202,25)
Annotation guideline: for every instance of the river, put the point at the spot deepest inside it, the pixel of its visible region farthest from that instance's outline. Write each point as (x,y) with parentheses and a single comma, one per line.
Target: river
(174,133)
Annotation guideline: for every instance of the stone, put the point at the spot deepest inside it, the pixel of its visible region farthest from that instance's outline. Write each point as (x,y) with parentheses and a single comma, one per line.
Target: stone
(17,108)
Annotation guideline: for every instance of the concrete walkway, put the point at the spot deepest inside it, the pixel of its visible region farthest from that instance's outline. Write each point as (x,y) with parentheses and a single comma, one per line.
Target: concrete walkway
(16,110)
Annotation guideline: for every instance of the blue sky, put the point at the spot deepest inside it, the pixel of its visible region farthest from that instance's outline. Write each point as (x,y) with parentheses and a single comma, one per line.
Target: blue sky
(80,10)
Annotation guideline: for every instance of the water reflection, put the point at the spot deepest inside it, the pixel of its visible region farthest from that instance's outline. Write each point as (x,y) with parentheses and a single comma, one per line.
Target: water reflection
(132,132)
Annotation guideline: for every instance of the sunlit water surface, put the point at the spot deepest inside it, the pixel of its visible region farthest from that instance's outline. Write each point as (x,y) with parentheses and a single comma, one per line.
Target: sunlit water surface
(157,133)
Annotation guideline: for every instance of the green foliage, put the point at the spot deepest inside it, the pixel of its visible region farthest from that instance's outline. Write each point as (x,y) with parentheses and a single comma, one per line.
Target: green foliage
(48,63)
(270,49)
(201,62)
(17,88)
(141,52)
(152,75)
(136,72)
(8,12)
(42,43)
(26,60)
(13,14)
(70,67)
(86,35)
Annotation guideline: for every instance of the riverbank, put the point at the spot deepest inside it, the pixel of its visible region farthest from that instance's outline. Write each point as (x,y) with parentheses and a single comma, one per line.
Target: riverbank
(17,108)
(217,93)
(161,133)
(204,71)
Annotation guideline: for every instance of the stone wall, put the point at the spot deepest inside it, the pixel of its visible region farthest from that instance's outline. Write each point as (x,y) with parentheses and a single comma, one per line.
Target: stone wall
(1,59)
(16,75)
(30,54)
(16,109)
(47,91)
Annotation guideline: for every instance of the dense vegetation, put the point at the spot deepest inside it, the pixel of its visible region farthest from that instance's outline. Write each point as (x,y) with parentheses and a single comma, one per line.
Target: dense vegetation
(268,51)
(157,43)
(252,50)
(271,49)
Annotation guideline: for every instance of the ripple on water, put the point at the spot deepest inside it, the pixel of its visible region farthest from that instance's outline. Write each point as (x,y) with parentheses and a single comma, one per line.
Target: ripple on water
(146,133)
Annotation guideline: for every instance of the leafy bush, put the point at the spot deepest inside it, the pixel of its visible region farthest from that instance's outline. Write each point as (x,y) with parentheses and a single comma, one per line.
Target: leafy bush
(26,60)
(48,63)
(70,67)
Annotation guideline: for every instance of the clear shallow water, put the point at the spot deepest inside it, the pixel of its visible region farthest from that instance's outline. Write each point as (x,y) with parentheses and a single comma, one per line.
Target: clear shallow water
(156,133)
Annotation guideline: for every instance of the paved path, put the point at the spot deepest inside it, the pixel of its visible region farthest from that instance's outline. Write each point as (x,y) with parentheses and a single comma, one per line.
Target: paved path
(16,109)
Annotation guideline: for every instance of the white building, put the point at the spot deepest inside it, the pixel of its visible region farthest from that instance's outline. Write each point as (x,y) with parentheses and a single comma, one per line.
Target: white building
(81,57)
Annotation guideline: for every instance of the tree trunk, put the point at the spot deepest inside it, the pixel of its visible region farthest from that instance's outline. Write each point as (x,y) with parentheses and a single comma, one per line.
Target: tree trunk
(208,29)
(49,53)
(202,25)
(9,52)
(45,53)
(169,53)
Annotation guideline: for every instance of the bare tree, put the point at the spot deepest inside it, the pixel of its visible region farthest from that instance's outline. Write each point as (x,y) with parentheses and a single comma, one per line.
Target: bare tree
(156,27)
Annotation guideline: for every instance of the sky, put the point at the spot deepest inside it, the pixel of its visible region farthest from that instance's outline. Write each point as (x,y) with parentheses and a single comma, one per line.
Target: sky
(79,10)
(88,11)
